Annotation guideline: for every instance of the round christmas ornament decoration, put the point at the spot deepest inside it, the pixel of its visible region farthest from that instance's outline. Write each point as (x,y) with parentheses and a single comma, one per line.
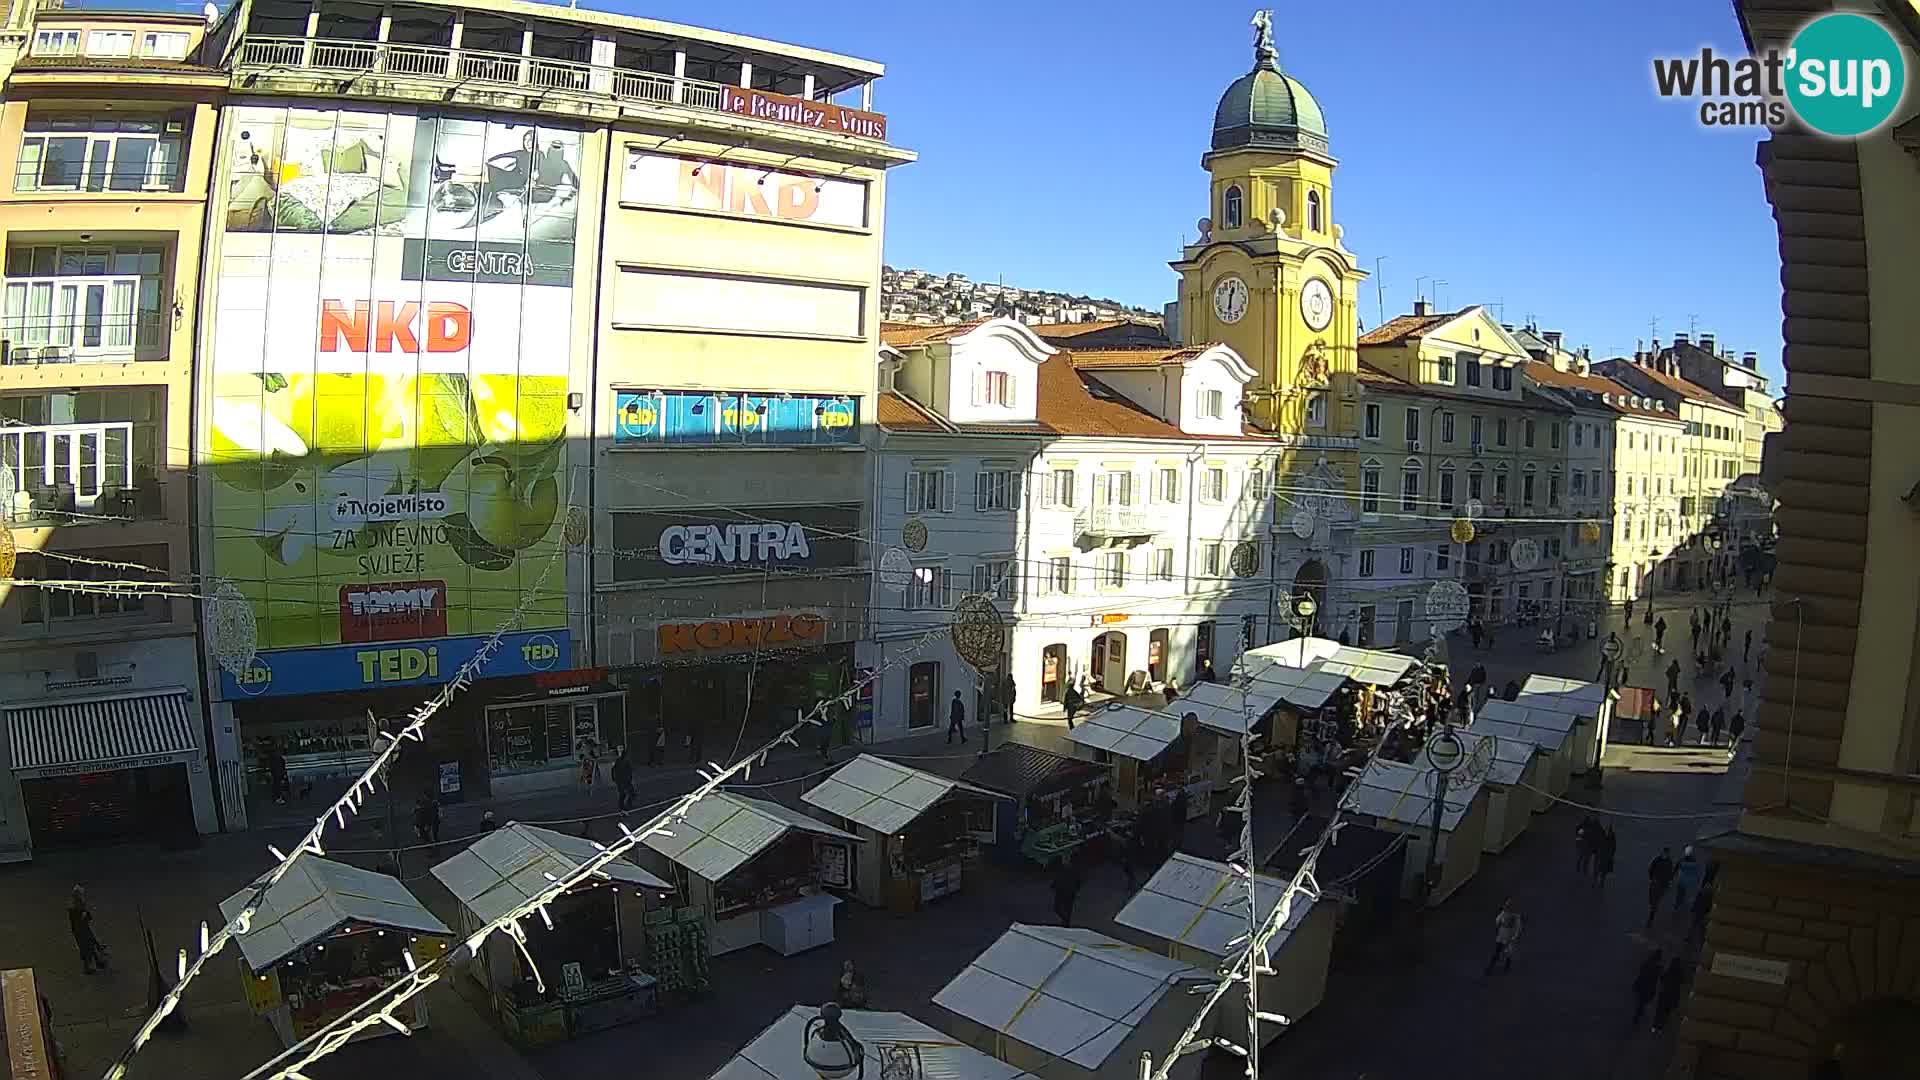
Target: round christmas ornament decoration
(914,534)
(1475,509)
(896,570)
(231,628)
(1461,532)
(1525,554)
(977,630)
(1447,604)
(1590,532)
(577,522)
(1479,760)
(1246,558)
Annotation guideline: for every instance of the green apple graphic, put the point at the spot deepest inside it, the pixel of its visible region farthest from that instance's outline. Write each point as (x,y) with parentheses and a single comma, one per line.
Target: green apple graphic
(251,449)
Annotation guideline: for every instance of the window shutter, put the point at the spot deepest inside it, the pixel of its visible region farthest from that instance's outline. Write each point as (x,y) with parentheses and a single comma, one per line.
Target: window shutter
(946,489)
(1048,489)
(1014,483)
(946,588)
(980,578)
(913,492)
(979,491)
(1099,489)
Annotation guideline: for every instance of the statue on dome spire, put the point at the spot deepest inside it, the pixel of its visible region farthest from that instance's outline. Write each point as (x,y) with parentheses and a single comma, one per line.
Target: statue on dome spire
(1264,53)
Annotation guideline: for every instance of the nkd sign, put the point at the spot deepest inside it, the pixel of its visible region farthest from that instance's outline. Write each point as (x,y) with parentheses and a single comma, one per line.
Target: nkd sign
(721,542)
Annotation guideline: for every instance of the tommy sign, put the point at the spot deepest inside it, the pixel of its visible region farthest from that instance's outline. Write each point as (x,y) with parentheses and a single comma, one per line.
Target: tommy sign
(719,542)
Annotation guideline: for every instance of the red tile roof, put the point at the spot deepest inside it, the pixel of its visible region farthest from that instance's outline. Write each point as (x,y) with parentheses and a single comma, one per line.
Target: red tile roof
(1547,375)
(907,335)
(1074,329)
(898,412)
(1373,376)
(1684,387)
(1402,327)
(1137,357)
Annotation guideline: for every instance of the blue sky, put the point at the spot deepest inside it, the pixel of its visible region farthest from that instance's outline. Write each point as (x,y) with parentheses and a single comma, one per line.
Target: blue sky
(1515,150)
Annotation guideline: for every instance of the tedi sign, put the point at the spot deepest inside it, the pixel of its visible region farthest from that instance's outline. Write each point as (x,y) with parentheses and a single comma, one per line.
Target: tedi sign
(756,542)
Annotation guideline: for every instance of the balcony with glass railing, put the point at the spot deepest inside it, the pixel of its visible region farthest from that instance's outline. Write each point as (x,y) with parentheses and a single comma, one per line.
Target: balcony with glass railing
(80,320)
(63,474)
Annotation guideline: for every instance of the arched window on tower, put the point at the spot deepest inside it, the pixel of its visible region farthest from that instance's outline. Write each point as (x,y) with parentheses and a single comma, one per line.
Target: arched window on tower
(1232,208)
(1313,211)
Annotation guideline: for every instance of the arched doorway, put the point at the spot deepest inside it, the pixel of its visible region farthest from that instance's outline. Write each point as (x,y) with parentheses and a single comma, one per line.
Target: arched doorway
(1053,672)
(1311,580)
(1107,662)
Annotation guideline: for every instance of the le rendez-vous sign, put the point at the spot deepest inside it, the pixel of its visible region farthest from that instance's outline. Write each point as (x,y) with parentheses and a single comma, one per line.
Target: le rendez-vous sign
(820,115)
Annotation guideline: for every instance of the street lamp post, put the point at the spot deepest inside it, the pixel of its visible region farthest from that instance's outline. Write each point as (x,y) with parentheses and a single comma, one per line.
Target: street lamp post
(829,1049)
(1445,752)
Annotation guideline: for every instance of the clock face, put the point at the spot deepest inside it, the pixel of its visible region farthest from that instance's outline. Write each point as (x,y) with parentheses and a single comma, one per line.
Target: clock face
(1316,304)
(1230,298)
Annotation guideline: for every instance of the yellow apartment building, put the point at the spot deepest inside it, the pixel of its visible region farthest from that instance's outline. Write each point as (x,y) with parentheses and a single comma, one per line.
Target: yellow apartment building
(109,122)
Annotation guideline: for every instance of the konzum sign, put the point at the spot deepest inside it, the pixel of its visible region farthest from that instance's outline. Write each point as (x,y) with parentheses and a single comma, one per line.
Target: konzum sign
(725,635)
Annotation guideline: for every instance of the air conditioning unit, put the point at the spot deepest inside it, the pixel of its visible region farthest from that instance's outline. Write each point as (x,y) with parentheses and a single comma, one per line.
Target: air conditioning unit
(86,665)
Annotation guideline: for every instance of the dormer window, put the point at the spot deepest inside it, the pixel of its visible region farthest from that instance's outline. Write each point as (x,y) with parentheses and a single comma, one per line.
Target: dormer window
(994,388)
(1313,211)
(1212,404)
(1233,207)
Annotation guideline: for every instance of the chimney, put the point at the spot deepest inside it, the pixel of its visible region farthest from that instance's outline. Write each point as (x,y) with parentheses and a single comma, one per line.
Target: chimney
(1553,339)
(1706,342)
(1751,359)
(1420,307)
(1681,339)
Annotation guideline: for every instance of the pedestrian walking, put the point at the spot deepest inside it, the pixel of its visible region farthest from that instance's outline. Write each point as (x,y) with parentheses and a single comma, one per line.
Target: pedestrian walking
(1603,860)
(1693,628)
(850,989)
(1629,618)
(1734,727)
(487,822)
(1715,726)
(1686,877)
(1746,647)
(589,764)
(1656,713)
(1746,698)
(1073,701)
(1659,633)
(1507,926)
(1066,888)
(1586,838)
(1673,680)
(93,955)
(1672,982)
(622,772)
(426,819)
(1474,631)
(956,720)
(1726,682)
(1646,983)
(1703,723)
(1659,876)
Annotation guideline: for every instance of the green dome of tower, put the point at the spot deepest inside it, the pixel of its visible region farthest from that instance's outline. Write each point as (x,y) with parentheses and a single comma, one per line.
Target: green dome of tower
(1267,109)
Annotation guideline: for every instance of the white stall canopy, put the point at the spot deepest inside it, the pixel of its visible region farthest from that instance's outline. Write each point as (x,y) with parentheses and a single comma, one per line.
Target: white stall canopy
(1403,794)
(724,832)
(1225,710)
(1369,666)
(1548,728)
(1202,904)
(317,897)
(1563,695)
(1511,754)
(509,866)
(1127,731)
(1071,993)
(883,795)
(888,1038)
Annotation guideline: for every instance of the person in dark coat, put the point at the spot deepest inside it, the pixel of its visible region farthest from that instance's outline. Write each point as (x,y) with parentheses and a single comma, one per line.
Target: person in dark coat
(1646,982)
(426,819)
(1206,670)
(1474,632)
(1603,857)
(1673,680)
(1659,633)
(1714,726)
(487,822)
(1511,691)
(956,720)
(1746,648)
(622,773)
(1673,982)
(1659,876)
(1703,723)
(93,957)
(1066,888)
(1734,727)
(277,773)
(1586,844)
(1073,701)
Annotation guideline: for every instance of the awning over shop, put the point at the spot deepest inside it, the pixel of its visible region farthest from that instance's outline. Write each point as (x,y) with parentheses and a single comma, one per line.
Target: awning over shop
(776,1053)
(1403,794)
(96,734)
(1072,993)
(1203,904)
(724,832)
(1305,688)
(1548,727)
(509,866)
(1583,699)
(1019,771)
(1225,709)
(1126,730)
(1370,666)
(317,897)
(883,795)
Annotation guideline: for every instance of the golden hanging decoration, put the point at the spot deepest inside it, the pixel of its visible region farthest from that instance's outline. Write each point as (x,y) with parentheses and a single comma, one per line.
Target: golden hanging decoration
(8,553)
(1462,531)
(1590,531)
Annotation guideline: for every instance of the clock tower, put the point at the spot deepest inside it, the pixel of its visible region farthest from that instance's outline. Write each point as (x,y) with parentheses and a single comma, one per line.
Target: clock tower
(1269,275)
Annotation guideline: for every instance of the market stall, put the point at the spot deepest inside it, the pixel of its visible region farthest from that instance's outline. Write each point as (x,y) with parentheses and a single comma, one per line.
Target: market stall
(756,872)
(1399,798)
(1054,800)
(1146,749)
(1222,715)
(922,830)
(1073,1004)
(1551,729)
(893,1045)
(1592,706)
(1192,909)
(592,959)
(327,937)
(27,1035)
(1513,772)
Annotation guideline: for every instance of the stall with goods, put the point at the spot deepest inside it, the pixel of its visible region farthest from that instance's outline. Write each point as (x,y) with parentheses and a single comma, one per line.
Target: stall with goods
(1221,716)
(1592,706)
(1195,909)
(1545,724)
(1145,747)
(588,952)
(1057,800)
(1073,1004)
(1514,767)
(327,937)
(756,872)
(1399,798)
(923,831)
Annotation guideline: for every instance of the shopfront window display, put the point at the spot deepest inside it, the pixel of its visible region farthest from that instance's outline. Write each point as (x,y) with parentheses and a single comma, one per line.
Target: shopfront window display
(782,873)
(555,733)
(718,708)
(327,978)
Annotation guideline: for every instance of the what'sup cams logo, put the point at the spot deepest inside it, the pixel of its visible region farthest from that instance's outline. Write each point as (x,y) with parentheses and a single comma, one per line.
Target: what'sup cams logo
(1843,75)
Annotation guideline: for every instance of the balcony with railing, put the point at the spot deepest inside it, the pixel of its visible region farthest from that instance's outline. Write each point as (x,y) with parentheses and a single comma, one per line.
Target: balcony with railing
(260,55)
(83,319)
(1113,523)
(65,474)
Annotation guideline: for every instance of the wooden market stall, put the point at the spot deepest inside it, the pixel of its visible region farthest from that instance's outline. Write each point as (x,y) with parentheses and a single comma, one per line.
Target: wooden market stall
(757,872)
(1309,675)
(1592,706)
(1053,800)
(592,960)
(327,937)
(1146,749)
(1513,775)
(1192,909)
(1222,715)
(923,831)
(1072,1004)
(1397,797)
(27,1031)
(1551,729)
(893,1044)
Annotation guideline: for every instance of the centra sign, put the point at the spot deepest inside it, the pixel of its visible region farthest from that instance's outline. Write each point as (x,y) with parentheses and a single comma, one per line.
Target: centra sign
(751,543)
